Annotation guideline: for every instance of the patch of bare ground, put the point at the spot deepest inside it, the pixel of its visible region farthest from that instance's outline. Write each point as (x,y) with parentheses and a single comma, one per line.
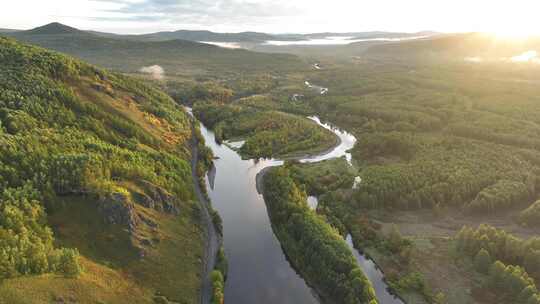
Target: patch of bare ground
(444,269)
(446,223)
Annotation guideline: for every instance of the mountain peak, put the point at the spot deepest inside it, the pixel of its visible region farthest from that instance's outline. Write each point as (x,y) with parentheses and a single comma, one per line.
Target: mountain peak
(54,28)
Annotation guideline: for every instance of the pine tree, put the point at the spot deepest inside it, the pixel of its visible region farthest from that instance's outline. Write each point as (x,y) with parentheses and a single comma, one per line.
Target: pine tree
(482,261)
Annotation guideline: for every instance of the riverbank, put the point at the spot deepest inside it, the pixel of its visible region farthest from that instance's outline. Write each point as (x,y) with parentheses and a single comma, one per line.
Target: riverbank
(312,245)
(213,240)
(230,166)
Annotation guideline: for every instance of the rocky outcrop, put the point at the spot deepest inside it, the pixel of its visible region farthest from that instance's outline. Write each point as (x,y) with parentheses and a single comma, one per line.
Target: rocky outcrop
(157,198)
(118,209)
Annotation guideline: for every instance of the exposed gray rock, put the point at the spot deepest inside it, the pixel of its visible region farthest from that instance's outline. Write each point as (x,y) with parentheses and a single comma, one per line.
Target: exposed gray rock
(117,209)
(145,200)
(158,198)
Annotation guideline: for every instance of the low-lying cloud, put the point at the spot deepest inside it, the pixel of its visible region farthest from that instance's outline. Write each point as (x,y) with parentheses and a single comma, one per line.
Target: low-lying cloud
(156,71)
(529,56)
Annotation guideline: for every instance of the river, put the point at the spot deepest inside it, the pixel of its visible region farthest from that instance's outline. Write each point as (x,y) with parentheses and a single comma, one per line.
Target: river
(258,269)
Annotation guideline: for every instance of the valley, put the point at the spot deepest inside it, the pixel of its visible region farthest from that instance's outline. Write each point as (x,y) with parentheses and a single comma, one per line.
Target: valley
(384,170)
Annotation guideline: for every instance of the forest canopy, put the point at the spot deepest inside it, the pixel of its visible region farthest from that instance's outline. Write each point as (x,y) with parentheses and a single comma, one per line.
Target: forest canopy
(68,128)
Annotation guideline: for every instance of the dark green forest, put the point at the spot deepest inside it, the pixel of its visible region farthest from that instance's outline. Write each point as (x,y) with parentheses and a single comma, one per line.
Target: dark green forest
(511,264)
(312,245)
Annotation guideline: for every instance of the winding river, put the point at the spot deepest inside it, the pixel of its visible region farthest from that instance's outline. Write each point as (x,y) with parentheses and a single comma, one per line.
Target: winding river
(258,269)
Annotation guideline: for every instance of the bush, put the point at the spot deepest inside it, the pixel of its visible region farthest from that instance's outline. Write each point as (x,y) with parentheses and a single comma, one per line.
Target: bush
(218,284)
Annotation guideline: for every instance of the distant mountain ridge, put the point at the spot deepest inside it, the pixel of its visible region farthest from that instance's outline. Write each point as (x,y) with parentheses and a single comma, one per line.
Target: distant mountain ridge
(56,28)
(2,30)
(363,35)
(210,36)
(122,53)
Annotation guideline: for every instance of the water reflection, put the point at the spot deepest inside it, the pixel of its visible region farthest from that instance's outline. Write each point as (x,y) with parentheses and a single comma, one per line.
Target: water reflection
(347,142)
(374,275)
(258,269)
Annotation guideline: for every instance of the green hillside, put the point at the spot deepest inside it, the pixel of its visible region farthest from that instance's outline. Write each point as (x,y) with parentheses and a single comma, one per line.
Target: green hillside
(177,57)
(96,194)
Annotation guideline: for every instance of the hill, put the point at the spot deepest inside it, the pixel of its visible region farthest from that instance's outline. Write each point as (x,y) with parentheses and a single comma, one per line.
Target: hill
(195,35)
(209,36)
(2,30)
(54,28)
(97,201)
(456,47)
(177,57)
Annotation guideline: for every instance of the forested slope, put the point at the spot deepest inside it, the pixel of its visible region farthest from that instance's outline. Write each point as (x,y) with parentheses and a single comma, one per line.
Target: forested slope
(440,146)
(177,57)
(96,195)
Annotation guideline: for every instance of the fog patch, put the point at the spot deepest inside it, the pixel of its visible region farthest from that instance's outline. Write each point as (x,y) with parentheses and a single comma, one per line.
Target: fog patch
(474,59)
(156,71)
(529,56)
(227,45)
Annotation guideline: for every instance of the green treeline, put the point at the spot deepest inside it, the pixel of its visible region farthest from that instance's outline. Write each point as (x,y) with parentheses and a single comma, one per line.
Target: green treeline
(512,283)
(26,245)
(501,246)
(64,130)
(323,177)
(507,261)
(312,245)
(449,172)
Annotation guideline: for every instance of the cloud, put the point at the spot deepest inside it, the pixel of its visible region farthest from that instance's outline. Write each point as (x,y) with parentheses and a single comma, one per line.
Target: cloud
(156,71)
(202,12)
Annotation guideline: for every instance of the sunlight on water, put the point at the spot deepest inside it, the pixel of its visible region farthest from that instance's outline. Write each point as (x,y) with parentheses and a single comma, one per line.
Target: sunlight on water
(347,142)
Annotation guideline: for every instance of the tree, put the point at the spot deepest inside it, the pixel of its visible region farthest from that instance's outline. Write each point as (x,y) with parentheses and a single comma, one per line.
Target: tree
(217,286)
(532,261)
(69,262)
(482,261)
(497,274)
(395,240)
(440,298)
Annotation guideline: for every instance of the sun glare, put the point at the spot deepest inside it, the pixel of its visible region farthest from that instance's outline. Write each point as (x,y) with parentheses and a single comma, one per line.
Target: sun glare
(515,31)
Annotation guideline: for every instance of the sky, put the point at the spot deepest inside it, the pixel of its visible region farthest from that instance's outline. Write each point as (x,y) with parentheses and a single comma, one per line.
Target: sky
(509,17)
